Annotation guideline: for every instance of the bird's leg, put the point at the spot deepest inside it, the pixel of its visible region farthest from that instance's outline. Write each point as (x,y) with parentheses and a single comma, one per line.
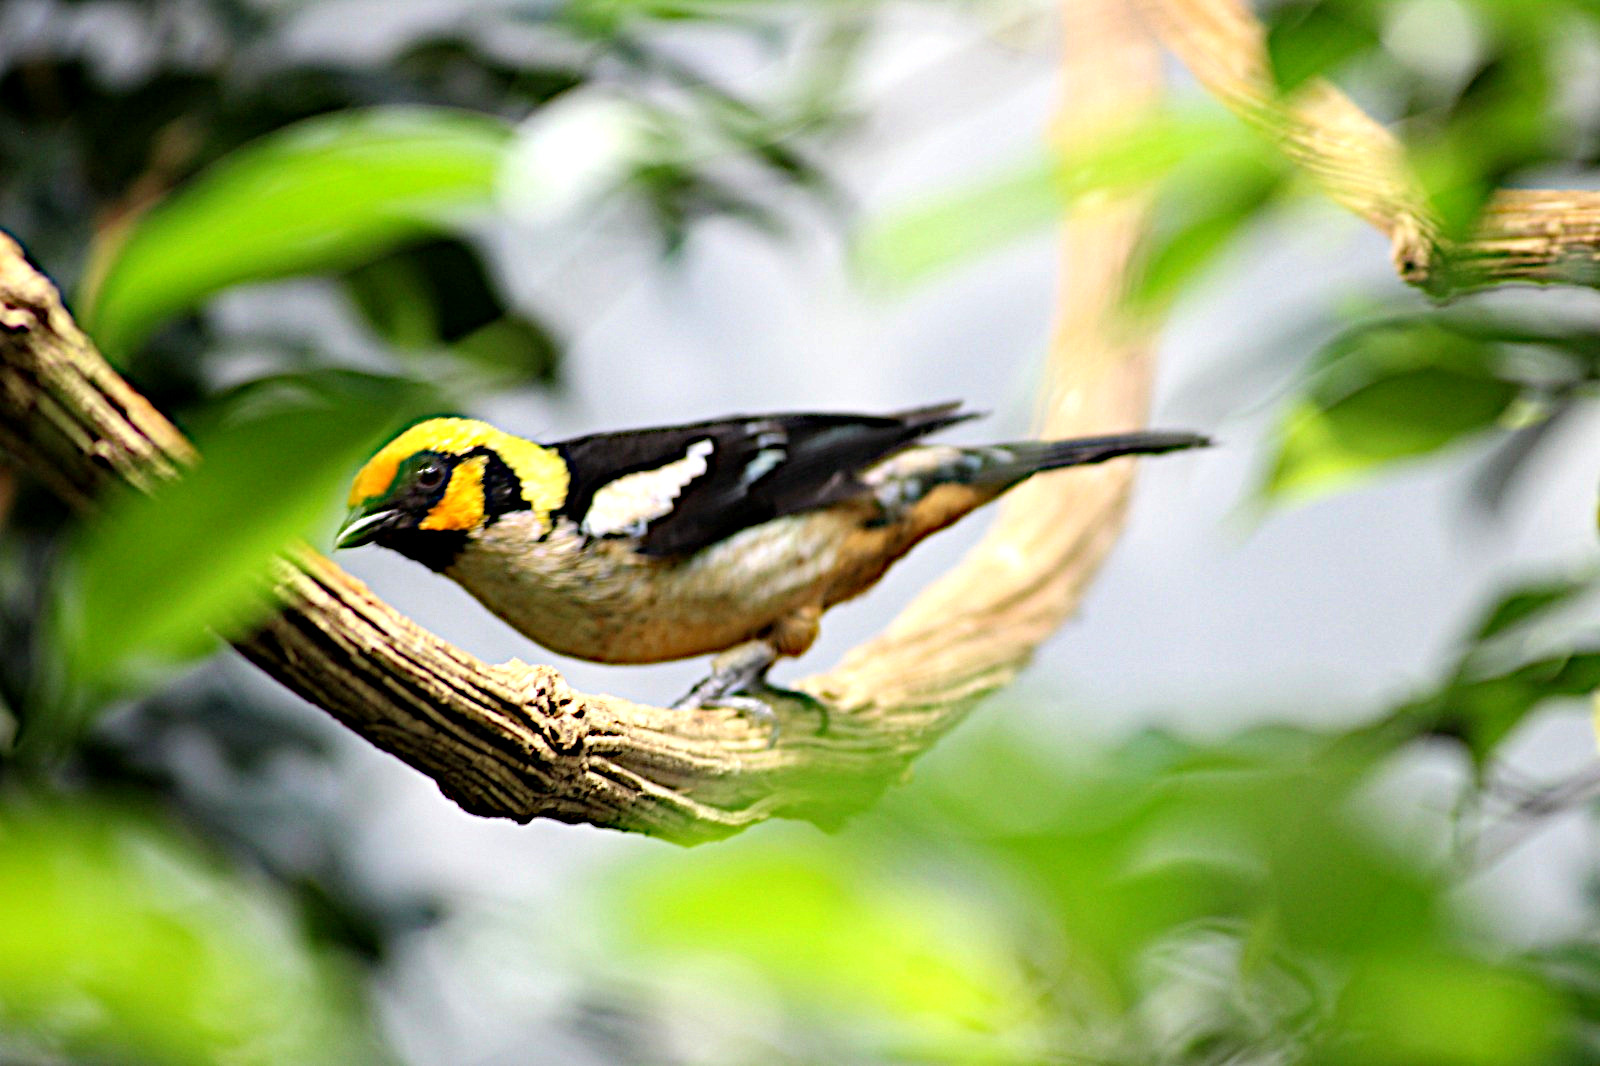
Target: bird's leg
(793,634)
(733,673)
(739,669)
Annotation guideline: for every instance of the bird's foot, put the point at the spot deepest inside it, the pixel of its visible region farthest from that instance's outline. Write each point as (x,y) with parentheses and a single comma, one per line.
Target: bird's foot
(735,674)
(752,707)
(755,705)
(755,709)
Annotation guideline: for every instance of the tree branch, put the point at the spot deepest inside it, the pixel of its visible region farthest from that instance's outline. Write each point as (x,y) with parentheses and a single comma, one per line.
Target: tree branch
(1522,234)
(513,740)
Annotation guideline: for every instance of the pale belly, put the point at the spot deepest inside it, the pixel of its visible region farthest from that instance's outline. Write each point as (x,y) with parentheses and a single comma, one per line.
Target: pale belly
(610,606)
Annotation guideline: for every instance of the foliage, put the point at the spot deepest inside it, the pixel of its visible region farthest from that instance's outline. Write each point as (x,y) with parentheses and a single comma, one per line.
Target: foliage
(164,547)
(155,158)
(324,193)
(1472,88)
(124,941)
(174,893)
(1161,901)
(1506,671)
(1213,175)
(1477,84)
(1397,386)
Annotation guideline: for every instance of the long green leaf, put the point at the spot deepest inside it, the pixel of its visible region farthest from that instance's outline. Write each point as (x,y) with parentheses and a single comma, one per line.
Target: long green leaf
(1391,390)
(1400,416)
(317,196)
(1308,40)
(156,572)
(908,245)
(1531,601)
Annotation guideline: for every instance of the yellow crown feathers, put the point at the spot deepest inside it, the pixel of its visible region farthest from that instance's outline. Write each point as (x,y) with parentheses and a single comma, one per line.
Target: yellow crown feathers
(541,472)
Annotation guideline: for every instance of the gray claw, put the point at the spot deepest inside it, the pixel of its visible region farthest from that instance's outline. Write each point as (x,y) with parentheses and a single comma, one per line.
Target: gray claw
(750,706)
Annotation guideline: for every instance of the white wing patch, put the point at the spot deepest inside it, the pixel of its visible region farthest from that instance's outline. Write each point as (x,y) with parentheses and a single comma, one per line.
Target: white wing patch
(630,503)
(773,444)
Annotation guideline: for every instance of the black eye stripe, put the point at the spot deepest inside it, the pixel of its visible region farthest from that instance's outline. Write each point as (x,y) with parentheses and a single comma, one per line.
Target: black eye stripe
(502,489)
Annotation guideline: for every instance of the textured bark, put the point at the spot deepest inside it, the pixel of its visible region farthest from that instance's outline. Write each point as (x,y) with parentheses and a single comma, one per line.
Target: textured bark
(512,740)
(1534,235)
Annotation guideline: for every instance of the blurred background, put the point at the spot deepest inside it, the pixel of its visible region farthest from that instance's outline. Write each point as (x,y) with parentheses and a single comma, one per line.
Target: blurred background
(1307,780)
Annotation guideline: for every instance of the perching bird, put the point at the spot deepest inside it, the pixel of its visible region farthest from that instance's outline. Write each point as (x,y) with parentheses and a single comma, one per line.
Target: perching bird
(729,536)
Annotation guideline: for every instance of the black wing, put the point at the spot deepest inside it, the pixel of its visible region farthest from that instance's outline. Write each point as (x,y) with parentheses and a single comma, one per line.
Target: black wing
(755,468)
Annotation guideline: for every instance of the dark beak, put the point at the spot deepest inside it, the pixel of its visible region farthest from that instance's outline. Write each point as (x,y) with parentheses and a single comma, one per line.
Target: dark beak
(362,526)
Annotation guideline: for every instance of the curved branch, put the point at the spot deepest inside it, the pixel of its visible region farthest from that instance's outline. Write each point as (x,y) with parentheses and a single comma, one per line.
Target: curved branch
(1541,235)
(513,740)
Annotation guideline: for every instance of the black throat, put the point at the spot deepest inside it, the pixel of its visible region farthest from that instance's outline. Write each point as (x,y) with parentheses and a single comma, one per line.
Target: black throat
(434,548)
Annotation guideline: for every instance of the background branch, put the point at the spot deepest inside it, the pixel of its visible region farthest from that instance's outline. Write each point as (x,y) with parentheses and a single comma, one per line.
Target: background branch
(513,740)
(1521,235)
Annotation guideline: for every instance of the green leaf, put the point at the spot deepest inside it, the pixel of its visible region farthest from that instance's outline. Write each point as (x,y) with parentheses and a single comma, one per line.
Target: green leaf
(509,351)
(914,243)
(1403,415)
(1530,601)
(317,196)
(1481,710)
(840,940)
(911,244)
(123,943)
(437,297)
(1205,202)
(433,292)
(607,18)
(1445,1010)
(154,573)
(1308,40)
(1504,120)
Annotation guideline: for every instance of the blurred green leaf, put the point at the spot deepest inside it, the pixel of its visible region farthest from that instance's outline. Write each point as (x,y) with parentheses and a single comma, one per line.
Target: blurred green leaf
(1517,366)
(1204,203)
(437,297)
(1403,415)
(831,935)
(1445,1010)
(153,573)
(396,298)
(611,17)
(317,196)
(1572,969)
(432,292)
(1483,120)
(922,965)
(1157,902)
(1503,121)
(1503,674)
(1481,708)
(1531,601)
(123,943)
(1387,391)
(509,352)
(1257,832)
(912,243)
(1307,40)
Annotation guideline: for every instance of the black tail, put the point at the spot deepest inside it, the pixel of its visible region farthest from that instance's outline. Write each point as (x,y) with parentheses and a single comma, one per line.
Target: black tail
(1007,463)
(921,421)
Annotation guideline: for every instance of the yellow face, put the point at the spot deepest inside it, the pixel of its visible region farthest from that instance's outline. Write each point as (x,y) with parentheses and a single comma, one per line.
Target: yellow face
(450,475)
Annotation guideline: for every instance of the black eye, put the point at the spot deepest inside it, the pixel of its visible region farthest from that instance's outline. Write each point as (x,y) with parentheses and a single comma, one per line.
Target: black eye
(430,477)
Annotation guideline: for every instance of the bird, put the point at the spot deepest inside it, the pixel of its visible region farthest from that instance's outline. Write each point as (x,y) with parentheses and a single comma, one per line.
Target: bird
(729,537)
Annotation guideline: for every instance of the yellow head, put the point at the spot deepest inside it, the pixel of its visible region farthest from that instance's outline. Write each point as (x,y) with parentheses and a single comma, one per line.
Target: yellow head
(445,479)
